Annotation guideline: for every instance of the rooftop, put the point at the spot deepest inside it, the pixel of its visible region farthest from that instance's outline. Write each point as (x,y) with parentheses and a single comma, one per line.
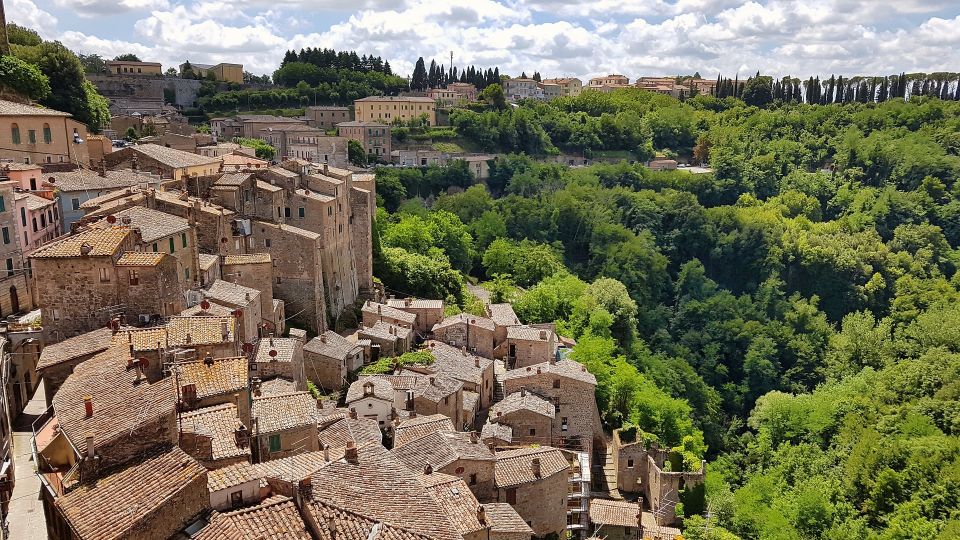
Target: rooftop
(414,303)
(465,318)
(75,347)
(220,423)
(276,518)
(377,309)
(455,499)
(12,108)
(515,467)
(285,349)
(395,98)
(153,224)
(372,386)
(331,345)
(291,468)
(569,369)
(458,363)
(522,401)
(504,519)
(140,258)
(248,258)
(430,387)
(277,386)
(362,431)
(355,526)
(173,158)
(617,513)
(102,243)
(503,314)
(284,411)
(386,331)
(84,179)
(500,432)
(32,201)
(222,376)
(441,448)
(419,427)
(529,333)
(231,293)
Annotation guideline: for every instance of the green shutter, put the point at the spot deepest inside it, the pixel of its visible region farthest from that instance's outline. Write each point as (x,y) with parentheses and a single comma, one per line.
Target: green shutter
(3,204)
(274,443)
(173,247)
(15,133)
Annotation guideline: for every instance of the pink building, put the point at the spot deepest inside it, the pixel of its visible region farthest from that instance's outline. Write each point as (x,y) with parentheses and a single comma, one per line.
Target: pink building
(36,209)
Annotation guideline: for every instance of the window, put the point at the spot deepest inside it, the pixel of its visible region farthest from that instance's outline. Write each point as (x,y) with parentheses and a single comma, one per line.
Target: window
(473,479)
(104,277)
(134,277)
(564,425)
(34,219)
(266,242)
(629,463)
(33,182)
(556,383)
(47,134)
(155,247)
(533,432)
(274,443)
(173,247)
(279,280)
(186,273)
(43,221)
(286,211)
(6,235)
(32,136)
(300,212)
(74,204)
(3,204)
(459,470)
(512,496)
(9,267)
(183,239)
(15,133)
(329,210)
(23,216)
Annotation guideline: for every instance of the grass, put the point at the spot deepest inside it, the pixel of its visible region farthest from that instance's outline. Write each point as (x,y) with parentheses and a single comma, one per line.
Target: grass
(448,147)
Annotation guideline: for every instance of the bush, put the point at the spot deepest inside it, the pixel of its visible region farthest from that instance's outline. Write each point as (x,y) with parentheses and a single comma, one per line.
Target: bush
(385,365)
(22,78)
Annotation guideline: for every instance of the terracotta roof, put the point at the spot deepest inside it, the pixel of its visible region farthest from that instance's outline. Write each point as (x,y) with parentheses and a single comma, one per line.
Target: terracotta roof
(154,224)
(354,526)
(277,386)
(379,388)
(284,411)
(382,309)
(441,448)
(421,385)
(515,467)
(249,258)
(202,330)
(618,513)
(219,423)
(286,348)
(455,499)
(419,427)
(103,243)
(457,363)
(208,261)
(529,333)
(396,98)
(12,108)
(381,488)
(173,158)
(500,432)
(464,318)
(362,431)
(504,519)
(21,166)
(90,343)
(385,331)
(120,404)
(232,179)
(564,368)
(503,314)
(335,346)
(415,303)
(85,179)
(223,376)
(231,293)
(276,518)
(215,310)
(292,468)
(140,258)
(33,202)
(267,186)
(522,401)
(111,507)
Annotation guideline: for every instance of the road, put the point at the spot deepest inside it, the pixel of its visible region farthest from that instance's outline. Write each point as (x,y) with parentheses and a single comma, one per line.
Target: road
(25,518)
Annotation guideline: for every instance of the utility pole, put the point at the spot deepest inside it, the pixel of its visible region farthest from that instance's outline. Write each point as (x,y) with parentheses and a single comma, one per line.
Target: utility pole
(4,41)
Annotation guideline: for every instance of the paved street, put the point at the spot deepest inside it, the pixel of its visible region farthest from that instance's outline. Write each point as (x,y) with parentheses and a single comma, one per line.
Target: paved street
(26,520)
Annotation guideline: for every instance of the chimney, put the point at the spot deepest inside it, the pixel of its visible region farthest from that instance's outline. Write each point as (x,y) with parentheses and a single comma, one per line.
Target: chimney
(352,455)
(523,391)
(88,405)
(482,515)
(323,338)
(463,350)
(353,413)
(208,360)
(224,329)
(326,169)
(305,484)
(473,437)
(102,169)
(188,339)
(91,447)
(535,464)
(326,453)
(271,339)
(246,297)
(139,365)
(428,469)
(407,302)
(476,361)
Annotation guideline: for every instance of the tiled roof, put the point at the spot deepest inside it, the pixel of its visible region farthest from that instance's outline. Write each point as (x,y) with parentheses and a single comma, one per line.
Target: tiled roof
(277,386)
(382,309)
(617,513)
(219,423)
(419,427)
(526,401)
(385,331)
(504,519)
(231,293)
(503,314)
(140,258)
(286,349)
(266,118)
(208,261)
(223,376)
(529,333)
(441,448)
(337,523)
(430,387)
(267,186)
(515,467)
(284,411)
(331,345)
(111,507)
(457,363)
(232,179)
(500,432)
(455,499)
(249,258)
(240,161)
(12,108)
(33,202)
(154,224)
(415,303)
(276,518)
(103,243)
(142,339)
(417,99)
(215,310)
(91,342)
(564,368)
(362,431)
(380,388)
(381,488)
(292,468)
(464,318)
(84,179)
(171,157)
(471,400)
(120,404)
(202,330)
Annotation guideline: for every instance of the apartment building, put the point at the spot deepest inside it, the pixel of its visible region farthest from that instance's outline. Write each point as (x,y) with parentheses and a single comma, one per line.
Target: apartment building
(569,86)
(374,136)
(390,109)
(609,81)
(125,67)
(327,117)
(517,89)
(225,72)
(31,134)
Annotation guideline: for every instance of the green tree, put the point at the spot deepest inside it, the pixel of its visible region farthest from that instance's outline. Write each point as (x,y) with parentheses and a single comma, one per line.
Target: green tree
(127,57)
(758,91)
(23,79)
(494,96)
(356,153)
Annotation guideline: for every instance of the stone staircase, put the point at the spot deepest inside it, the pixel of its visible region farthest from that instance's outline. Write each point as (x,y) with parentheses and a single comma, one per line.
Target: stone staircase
(605,476)
(499,369)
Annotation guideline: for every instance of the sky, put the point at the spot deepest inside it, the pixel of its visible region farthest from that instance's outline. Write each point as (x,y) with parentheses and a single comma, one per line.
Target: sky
(580,38)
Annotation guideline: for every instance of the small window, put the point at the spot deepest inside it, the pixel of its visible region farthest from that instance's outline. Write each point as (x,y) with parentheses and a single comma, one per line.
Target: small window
(279,280)
(266,242)
(564,425)
(9,267)
(15,133)
(512,496)
(329,210)
(3,204)
(186,273)
(286,211)
(183,239)
(47,134)
(300,212)
(172,245)
(533,432)
(629,463)
(34,219)
(156,248)
(556,383)
(134,277)
(104,276)
(274,443)
(32,136)
(43,221)
(473,479)
(74,204)
(459,470)
(6,235)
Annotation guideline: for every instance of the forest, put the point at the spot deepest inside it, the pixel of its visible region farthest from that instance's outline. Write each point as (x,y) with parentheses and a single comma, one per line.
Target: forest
(792,316)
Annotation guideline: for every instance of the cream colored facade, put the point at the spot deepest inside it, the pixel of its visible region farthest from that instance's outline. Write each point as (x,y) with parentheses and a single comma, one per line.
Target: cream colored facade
(122,67)
(222,71)
(610,80)
(388,109)
(569,87)
(30,134)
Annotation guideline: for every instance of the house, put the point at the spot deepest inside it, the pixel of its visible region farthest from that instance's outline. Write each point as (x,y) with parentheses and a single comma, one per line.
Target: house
(232,73)
(390,109)
(550,90)
(474,371)
(427,312)
(284,425)
(443,96)
(329,358)
(391,339)
(79,186)
(622,520)
(58,360)
(479,165)
(247,305)
(569,86)
(251,124)
(163,161)
(416,427)
(351,429)
(609,82)
(15,294)
(534,481)
(427,394)
(243,484)
(39,220)
(464,91)
(475,332)
(452,452)
(277,516)
(209,382)
(375,137)
(528,345)
(496,435)
(529,416)
(505,523)
(31,134)
(373,398)
(215,436)
(503,317)
(519,88)
(126,67)
(374,313)
(327,117)
(280,357)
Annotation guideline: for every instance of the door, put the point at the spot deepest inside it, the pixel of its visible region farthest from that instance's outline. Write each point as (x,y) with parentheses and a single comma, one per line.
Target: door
(14,299)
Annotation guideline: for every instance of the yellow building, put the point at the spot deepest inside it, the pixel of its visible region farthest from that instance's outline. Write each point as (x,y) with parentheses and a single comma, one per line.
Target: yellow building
(30,134)
(387,109)
(221,72)
(123,67)
(569,86)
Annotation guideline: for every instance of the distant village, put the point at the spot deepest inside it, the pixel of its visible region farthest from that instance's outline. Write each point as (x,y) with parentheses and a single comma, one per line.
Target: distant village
(217,359)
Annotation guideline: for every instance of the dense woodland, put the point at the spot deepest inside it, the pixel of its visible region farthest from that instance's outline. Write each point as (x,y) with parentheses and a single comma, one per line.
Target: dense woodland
(791,316)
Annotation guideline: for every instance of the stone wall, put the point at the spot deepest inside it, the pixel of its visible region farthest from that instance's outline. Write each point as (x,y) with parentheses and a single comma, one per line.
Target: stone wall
(292,442)
(478,340)
(327,373)
(478,475)
(542,504)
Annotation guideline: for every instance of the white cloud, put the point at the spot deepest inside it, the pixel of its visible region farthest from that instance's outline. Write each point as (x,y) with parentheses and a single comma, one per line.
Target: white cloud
(93,8)
(26,13)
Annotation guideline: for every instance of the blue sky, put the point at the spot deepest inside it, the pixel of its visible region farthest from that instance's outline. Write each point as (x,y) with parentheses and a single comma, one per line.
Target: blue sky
(556,37)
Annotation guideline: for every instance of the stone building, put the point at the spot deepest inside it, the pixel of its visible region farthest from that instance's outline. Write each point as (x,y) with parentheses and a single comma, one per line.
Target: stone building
(280,357)
(278,514)
(243,484)
(79,186)
(530,417)
(428,312)
(215,436)
(329,358)
(374,137)
(163,161)
(58,360)
(246,303)
(503,317)
(284,425)
(534,481)
(361,432)
(474,371)
(327,117)
(374,312)
(427,394)
(456,453)
(475,333)
(416,427)
(622,520)
(391,339)
(505,523)
(209,382)
(527,346)
(371,398)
